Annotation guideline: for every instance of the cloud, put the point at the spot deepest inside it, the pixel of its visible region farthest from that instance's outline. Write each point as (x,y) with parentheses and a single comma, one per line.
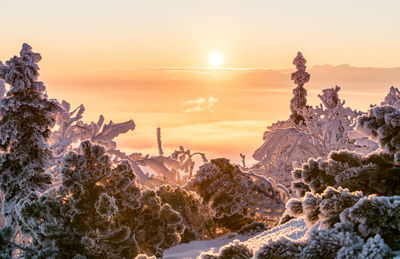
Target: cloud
(202,104)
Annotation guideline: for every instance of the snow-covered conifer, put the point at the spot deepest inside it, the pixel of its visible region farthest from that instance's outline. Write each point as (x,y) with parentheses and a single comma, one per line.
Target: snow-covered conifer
(237,198)
(392,98)
(196,217)
(350,212)
(300,77)
(282,248)
(26,118)
(324,128)
(383,123)
(374,173)
(324,208)
(341,241)
(99,211)
(158,226)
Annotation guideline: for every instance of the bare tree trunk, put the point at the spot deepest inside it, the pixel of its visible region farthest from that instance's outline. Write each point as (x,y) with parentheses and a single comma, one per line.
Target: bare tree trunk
(160,151)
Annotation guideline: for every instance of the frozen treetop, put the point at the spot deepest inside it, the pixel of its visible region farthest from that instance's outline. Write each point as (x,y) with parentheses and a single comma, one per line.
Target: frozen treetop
(299,100)
(300,77)
(22,72)
(392,98)
(330,97)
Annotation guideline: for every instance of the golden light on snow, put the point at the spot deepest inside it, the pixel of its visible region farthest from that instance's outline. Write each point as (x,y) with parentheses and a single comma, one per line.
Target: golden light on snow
(216,59)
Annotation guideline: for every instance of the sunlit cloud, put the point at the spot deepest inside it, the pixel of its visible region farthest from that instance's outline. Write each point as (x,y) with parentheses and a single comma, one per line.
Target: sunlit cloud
(202,104)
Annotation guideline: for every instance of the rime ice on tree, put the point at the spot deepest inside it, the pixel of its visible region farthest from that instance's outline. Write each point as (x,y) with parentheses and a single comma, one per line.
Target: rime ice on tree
(392,98)
(27,116)
(237,198)
(300,77)
(309,133)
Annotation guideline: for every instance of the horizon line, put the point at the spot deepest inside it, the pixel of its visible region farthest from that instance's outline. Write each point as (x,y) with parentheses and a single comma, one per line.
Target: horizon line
(228,69)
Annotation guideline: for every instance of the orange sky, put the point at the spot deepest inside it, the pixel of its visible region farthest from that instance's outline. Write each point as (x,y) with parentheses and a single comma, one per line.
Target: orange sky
(147,60)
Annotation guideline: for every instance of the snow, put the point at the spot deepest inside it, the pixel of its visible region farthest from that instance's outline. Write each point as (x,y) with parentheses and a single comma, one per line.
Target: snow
(294,229)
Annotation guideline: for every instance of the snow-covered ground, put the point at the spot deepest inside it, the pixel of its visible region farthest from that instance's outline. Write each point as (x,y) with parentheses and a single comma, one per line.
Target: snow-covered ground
(294,229)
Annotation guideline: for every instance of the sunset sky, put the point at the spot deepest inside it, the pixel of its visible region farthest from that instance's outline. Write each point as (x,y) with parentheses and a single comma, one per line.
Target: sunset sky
(149,61)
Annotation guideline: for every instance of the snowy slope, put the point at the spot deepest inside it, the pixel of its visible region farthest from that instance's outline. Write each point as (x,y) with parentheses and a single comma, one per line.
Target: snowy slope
(294,229)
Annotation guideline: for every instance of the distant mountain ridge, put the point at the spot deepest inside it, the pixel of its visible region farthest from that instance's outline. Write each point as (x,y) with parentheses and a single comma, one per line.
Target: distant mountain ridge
(328,75)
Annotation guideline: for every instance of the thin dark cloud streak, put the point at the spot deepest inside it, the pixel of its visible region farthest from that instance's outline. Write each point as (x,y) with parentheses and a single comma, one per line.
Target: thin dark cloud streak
(189,69)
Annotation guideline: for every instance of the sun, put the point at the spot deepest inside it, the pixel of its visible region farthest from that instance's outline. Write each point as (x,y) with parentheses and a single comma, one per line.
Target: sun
(216,59)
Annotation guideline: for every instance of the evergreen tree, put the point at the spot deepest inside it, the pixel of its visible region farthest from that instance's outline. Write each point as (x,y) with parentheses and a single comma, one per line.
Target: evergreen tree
(26,118)
(196,217)
(300,77)
(237,198)
(375,173)
(99,211)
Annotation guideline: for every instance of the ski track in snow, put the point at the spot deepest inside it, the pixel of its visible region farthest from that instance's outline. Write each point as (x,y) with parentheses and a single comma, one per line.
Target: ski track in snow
(294,229)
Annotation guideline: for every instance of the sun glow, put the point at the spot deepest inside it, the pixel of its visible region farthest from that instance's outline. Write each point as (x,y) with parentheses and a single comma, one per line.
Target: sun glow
(216,59)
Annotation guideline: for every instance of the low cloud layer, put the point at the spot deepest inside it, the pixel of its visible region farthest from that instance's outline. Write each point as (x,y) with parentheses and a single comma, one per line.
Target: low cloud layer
(202,104)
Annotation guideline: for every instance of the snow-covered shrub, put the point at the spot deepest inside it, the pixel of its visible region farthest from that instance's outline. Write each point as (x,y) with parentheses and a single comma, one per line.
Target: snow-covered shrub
(233,250)
(159,226)
(368,215)
(235,197)
(383,123)
(375,215)
(196,217)
(99,211)
(338,208)
(26,118)
(326,243)
(283,248)
(373,173)
(324,208)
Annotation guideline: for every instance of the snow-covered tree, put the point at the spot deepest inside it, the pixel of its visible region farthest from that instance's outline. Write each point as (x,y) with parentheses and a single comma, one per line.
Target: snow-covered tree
(324,128)
(383,124)
(368,223)
(392,98)
(374,173)
(310,132)
(300,77)
(98,211)
(377,172)
(326,243)
(237,198)
(196,217)
(175,169)
(27,116)
(344,225)
(70,130)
